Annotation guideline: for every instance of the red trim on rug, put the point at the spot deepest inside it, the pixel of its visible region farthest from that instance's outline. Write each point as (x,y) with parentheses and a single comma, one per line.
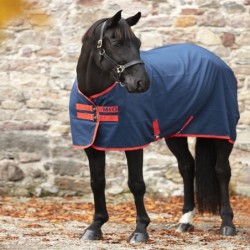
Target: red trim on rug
(143,146)
(93,139)
(222,137)
(97,95)
(103,92)
(79,91)
(119,149)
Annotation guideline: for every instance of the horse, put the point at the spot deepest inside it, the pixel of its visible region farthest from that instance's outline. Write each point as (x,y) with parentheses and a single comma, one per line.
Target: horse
(115,77)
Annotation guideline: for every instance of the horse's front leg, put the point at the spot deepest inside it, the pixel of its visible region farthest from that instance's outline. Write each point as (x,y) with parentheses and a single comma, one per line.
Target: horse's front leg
(97,173)
(138,189)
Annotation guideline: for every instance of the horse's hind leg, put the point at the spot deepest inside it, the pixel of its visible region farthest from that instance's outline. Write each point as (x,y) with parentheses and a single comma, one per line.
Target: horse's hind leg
(138,188)
(223,173)
(179,147)
(97,173)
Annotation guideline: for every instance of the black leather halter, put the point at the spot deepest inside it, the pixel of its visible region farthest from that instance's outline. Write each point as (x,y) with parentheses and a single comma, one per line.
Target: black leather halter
(118,68)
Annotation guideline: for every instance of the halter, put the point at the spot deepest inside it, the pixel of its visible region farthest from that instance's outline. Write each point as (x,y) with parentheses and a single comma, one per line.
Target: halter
(117,67)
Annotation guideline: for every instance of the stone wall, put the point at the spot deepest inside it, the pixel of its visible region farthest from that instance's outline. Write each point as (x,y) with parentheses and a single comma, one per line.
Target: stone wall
(38,55)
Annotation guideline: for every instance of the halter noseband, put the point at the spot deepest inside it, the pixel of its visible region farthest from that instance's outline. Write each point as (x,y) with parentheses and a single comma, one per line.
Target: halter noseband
(117,67)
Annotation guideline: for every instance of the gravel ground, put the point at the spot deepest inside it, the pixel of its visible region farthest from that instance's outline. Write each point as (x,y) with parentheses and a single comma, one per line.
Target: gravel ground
(35,233)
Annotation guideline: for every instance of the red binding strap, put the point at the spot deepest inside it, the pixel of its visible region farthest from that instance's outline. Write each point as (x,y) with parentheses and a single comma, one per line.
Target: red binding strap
(84,107)
(108,118)
(96,116)
(85,116)
(185,125)
(156,129)
(101,118)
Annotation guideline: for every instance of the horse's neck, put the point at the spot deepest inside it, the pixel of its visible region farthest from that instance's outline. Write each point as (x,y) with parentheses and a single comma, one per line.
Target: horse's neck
(91,79)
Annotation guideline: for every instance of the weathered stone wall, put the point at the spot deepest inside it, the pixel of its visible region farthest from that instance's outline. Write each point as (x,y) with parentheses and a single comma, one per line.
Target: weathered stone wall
(38,57)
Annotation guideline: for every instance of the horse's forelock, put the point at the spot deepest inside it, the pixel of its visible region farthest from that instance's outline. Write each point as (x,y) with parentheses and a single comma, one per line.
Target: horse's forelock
(123,31)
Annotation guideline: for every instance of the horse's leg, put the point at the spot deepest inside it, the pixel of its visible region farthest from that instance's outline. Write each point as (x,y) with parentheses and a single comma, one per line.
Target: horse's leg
(138,188)
(223,173)
(179,147)
(97,173)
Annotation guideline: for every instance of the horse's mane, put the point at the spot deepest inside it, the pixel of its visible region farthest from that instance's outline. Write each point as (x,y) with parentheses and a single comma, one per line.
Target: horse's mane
(122,31)
(91,31)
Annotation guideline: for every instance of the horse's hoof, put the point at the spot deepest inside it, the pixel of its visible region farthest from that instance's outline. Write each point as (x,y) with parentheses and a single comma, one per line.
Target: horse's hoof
(92,235)
(138,238)
(184,227)
(228,231)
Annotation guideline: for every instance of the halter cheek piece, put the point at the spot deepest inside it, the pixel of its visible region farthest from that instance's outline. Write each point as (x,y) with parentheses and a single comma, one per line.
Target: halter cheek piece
(118,68)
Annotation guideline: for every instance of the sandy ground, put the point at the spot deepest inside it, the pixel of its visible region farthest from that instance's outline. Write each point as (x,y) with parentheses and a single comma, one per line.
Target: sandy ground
(25,232)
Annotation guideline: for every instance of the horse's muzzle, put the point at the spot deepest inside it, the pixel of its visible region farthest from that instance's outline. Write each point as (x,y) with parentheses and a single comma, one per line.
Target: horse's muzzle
(137,85)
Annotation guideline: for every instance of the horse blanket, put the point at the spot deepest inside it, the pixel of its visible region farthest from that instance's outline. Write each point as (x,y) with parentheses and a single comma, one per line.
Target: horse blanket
(192,93)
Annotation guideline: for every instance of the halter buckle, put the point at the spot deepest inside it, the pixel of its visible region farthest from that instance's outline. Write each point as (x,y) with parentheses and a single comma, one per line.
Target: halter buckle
(122,84)
(102,52)
(120,69)
(99,44)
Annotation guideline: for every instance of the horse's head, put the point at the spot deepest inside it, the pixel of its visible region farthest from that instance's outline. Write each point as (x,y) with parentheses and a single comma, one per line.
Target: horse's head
(117,52)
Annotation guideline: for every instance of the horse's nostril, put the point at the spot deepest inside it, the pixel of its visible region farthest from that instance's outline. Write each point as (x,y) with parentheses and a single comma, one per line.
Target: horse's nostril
(139,85)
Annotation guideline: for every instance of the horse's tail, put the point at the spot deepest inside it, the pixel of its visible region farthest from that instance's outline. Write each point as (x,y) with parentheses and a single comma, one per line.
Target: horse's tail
(207,187)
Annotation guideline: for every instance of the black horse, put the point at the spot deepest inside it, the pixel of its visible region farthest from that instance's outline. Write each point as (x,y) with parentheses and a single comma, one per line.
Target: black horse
(111,53)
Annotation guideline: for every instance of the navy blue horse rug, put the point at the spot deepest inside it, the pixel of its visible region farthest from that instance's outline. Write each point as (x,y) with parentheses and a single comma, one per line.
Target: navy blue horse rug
(192,93)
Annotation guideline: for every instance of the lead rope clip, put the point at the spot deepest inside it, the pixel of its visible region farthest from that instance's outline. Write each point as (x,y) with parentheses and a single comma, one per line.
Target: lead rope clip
(122,84)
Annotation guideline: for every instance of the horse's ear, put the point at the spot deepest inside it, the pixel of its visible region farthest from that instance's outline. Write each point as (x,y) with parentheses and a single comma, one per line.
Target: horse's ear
(115,19)
(133,20)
